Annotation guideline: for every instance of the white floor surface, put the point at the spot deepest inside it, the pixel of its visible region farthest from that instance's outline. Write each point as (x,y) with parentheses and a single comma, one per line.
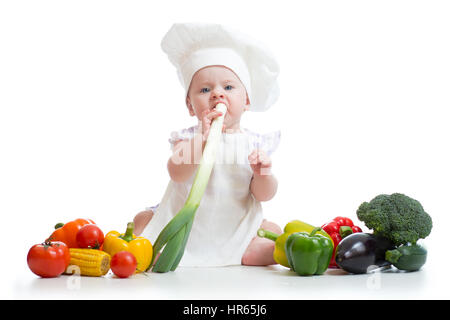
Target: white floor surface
(237,282)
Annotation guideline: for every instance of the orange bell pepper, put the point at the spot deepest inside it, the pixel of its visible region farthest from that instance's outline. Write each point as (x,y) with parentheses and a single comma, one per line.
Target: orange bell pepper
(67,233)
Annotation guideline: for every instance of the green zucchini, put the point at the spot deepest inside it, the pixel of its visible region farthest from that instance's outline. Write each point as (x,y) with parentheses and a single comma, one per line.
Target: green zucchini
(408,257)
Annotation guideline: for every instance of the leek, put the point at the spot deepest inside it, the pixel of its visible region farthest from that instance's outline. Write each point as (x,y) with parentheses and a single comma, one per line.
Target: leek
(175,234)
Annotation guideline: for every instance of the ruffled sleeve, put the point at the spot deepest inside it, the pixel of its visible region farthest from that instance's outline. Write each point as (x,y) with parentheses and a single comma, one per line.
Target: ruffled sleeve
(267,142)
(183,134)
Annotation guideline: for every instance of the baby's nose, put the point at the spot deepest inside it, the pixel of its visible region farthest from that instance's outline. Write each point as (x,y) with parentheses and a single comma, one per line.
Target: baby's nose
(217,93)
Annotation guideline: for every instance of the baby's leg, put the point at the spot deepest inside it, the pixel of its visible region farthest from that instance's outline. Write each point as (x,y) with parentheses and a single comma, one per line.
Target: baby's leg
(260,250)
(141,220)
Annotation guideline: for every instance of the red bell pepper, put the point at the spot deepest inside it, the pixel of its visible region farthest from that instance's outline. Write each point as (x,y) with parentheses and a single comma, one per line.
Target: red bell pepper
(338,229)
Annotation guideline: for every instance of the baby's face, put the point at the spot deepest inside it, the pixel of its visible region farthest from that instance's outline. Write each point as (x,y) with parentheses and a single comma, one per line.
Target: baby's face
(218,84)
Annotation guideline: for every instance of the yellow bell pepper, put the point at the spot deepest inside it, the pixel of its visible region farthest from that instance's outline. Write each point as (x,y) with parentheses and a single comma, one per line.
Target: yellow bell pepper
(140,247)
(279,253)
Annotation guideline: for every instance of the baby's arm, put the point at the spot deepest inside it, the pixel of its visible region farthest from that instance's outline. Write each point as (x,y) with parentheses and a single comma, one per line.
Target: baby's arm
(263,188)
(264,185)
(184,160)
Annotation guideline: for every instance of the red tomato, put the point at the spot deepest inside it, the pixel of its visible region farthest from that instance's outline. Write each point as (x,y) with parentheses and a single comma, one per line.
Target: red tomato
(49,259)
(123,264)
(90,236)
(356,229)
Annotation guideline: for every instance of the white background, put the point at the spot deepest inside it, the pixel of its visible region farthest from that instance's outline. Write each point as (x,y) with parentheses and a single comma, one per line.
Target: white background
(88,100)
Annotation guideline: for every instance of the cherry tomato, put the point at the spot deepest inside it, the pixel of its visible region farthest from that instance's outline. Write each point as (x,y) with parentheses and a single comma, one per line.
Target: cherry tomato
(48,259)
(123,264)
(90,236)
(356,229)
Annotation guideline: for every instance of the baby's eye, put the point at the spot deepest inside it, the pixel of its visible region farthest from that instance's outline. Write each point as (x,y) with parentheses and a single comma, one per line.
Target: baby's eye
(228,87)
(204,90)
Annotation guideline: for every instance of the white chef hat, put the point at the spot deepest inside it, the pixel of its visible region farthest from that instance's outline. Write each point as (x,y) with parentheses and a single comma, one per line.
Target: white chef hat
(193,46)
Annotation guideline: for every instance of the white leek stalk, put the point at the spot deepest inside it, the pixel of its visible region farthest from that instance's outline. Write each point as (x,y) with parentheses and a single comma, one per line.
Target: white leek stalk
(176,233)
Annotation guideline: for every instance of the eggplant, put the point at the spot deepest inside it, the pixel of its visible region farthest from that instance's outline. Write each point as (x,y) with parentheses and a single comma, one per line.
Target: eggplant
(359,251)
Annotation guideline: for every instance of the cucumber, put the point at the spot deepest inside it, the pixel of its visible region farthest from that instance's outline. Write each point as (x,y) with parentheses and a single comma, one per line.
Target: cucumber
(409,258)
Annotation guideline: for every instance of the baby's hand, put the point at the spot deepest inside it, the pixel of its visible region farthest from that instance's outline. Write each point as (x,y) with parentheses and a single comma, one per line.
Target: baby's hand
(260,162)
(207,117)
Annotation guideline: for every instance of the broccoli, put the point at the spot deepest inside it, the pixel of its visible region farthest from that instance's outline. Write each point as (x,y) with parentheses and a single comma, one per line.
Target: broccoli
(396,217)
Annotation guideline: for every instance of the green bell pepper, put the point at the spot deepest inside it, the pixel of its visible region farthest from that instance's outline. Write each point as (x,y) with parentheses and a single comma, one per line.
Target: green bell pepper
(309,253)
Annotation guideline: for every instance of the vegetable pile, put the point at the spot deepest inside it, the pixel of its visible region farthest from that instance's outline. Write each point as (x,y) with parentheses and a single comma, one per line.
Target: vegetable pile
(80,247)
(397,221)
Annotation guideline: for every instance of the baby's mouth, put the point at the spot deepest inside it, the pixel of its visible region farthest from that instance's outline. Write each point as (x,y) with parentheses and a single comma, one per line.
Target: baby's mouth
(216,103)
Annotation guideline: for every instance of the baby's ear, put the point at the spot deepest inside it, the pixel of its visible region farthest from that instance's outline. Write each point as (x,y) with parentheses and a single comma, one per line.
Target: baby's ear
(189,106)
(247,104)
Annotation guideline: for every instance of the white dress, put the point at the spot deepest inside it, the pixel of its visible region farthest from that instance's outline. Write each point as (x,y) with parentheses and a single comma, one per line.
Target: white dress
(228,216)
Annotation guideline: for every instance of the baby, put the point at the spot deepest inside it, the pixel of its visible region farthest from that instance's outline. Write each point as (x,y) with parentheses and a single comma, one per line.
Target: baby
(214,69)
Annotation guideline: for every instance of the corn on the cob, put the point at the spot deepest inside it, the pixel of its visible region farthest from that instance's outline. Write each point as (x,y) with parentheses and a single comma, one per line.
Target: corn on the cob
(91,262)
(176,233)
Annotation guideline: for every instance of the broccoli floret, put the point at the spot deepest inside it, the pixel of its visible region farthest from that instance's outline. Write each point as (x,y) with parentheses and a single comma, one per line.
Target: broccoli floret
(396,217)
